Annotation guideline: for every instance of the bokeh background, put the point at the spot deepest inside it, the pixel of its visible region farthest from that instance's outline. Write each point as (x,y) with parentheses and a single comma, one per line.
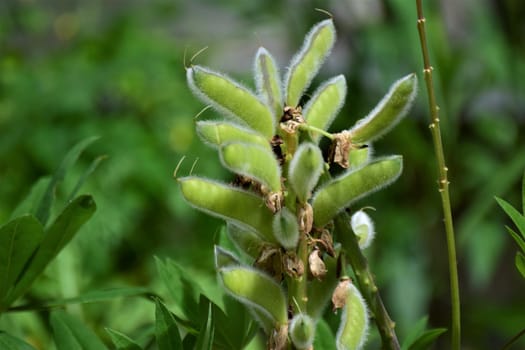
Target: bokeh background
(73,69)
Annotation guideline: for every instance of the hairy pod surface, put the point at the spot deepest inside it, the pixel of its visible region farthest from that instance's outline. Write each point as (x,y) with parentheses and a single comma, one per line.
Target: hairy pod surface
(229,203)
(359,157)
(225,258)
(268,82)
(307,62)
(363,228)
(342,191)
(353,328)
(231,98)
(254,162)
(304,170)
(286,228)
(245,240)
(302,331)
(216,134)
(390,110)
(325,103)
(256,289)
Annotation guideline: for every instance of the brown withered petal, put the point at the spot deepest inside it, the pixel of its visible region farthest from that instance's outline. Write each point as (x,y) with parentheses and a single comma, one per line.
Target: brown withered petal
(270,261)
(327,242)
(340,294)
(293,266)
(274,201)
(316,264)
(341,148)
(306,218)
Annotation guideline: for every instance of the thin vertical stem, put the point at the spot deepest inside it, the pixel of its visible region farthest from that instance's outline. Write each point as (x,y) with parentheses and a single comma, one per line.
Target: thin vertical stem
(443,183)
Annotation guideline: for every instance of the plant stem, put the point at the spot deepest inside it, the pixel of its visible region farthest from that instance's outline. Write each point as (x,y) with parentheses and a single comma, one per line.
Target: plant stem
(366,282)
(443,184)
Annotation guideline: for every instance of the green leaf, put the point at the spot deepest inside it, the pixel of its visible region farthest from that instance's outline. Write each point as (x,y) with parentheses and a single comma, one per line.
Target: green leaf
(207,329)
(324,337)
(342,191)
(515,215)
(229,203)
(86,298)
(306,63)
(59,233)
(520,263)
(392,108)
(414,332)
(166,330)
(30,203)
(252,161)
(268,81)
(230,98)
(122,341)
(523,194)
(71,334)
(256,289)
(92,167)
(183,291)
(69,160)
(234,327)
(19,238)
(519,240)
(427,338)
(8,342)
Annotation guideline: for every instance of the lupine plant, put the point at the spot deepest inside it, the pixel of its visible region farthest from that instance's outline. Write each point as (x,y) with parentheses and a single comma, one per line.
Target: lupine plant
(293,210)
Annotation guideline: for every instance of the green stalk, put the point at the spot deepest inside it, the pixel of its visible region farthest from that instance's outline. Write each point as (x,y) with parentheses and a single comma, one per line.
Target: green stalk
(366,282)
(443,183)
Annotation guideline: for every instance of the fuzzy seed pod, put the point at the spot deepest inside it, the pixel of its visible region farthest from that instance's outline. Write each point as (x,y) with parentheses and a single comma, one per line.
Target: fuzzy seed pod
(353,185)
(392,108)
(245,240)
(216,134)
(363,227)
(302,331)
(268,82)
(353,328)
(286,228)
(232,99)
(304,170)
(307,62)
(224,258)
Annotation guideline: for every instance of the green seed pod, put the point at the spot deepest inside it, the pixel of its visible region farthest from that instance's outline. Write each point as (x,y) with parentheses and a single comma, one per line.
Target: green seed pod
(353,328)
(268,81)
(307,62)
(230,98)
(359,157)
(302,331)
(245,240)
(229,203)
(325,103)
(286,228)
(217,134)
(256,289)
(363,228)
(304,170)
(224,258)
(392,108)
(342,191)
(254,162)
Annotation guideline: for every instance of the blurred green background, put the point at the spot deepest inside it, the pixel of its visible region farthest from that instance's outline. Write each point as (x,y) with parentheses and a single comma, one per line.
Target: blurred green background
(73,69)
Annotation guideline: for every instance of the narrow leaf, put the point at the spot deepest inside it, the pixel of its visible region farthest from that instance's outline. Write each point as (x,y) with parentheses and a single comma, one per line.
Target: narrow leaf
(122,341)
(254,162)
(268,81)
(229,203)
(166,330)
(307,62)
(8,342)
(392,108)
(232,99)
(61,231)
(71,334)
(520,263)
(92,167)
(519,240)
(69,160)
(324,337)
(427,338)
(514,214)
(30,204)
(19,238)
(339,193)
(207,329)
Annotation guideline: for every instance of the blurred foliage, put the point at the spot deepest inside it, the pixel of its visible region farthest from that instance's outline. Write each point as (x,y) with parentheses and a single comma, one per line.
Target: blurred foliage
(70,70)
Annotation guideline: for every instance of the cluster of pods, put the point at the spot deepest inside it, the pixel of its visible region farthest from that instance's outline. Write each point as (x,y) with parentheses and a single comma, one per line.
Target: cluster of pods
(279,210)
